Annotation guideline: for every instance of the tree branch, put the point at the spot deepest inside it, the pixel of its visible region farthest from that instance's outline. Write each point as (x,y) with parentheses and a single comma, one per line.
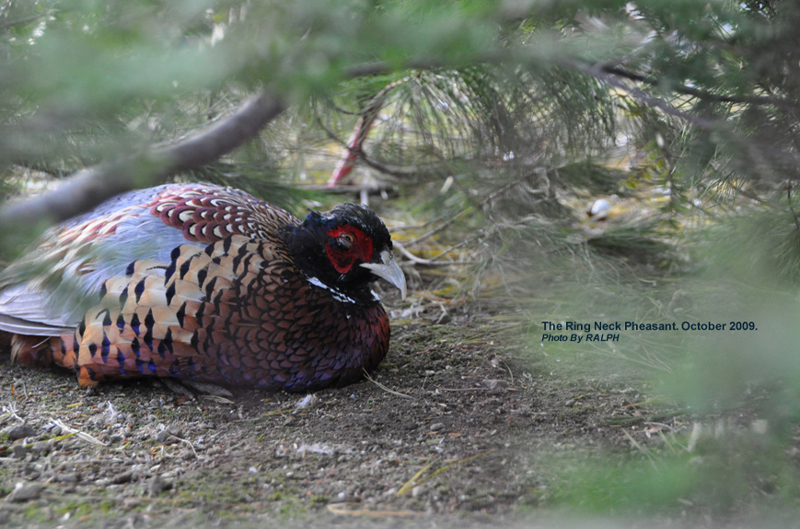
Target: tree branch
(702,94)
(641,95)
(91,186)
(752,145)
(399,173)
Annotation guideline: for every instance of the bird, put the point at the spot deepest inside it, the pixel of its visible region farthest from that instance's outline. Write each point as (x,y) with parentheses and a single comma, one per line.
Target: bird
(204,283)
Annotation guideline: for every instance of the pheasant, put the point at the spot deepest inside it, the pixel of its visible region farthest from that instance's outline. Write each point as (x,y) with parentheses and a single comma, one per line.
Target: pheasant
(206,284)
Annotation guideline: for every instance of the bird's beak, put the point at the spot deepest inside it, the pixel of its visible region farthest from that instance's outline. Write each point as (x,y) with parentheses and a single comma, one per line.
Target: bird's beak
(389,271)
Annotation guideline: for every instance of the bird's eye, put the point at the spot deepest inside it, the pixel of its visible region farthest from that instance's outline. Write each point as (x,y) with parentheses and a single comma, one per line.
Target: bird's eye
(347,240)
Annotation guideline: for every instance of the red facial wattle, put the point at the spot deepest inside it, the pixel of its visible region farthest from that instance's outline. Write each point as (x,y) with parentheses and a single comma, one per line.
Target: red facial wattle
(343,259)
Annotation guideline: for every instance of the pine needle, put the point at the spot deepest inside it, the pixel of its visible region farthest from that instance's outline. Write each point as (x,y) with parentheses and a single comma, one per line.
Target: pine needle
(341,508)
(384,388)
(413,481)
(81,435)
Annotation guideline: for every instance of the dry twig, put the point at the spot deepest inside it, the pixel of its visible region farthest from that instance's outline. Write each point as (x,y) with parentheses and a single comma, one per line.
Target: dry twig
(384,388)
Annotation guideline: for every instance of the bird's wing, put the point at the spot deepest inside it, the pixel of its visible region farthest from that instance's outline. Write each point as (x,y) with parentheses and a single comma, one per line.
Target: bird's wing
(51,287)
(176,321)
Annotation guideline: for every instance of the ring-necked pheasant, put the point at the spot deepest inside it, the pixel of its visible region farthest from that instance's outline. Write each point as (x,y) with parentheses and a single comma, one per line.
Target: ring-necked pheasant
(205,283)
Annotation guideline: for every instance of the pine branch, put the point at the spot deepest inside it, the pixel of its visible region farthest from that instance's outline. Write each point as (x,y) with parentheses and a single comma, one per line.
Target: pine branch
(644,97)
(702,94)
(753,146)
(355,144)
(363,156)
(92,185)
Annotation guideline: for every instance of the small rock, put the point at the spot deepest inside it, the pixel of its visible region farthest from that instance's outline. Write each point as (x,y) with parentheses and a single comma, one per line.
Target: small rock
(760,426)
(25,492)
(599,210)
(681,301)
(19,432)
(346,497)
(19,451)
(131,503)
(437,426)
(305,402)
(176,431)
(157,485)
(317,448)
(417,491)
(123,477)
(114,439)
(68,477)
(494,385)
(40,447)
(103,482)
(570,403)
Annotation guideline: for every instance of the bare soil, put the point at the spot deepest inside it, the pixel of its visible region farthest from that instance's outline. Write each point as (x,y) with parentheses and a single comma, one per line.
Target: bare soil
(455,426)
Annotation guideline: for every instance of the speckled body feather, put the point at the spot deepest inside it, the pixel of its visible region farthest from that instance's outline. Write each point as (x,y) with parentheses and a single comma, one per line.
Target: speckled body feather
(229,303)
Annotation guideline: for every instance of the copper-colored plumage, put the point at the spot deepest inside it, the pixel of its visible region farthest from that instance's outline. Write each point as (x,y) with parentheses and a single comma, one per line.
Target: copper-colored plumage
(255,300)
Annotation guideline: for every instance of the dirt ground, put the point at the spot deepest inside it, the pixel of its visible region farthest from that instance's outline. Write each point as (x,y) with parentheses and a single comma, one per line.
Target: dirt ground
(456,426)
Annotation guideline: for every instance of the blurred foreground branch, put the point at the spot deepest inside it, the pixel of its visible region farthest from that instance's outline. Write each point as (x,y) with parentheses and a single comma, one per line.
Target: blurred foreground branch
(92,185)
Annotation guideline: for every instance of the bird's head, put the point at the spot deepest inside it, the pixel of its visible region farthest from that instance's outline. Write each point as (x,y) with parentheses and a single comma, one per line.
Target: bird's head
(344,249)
